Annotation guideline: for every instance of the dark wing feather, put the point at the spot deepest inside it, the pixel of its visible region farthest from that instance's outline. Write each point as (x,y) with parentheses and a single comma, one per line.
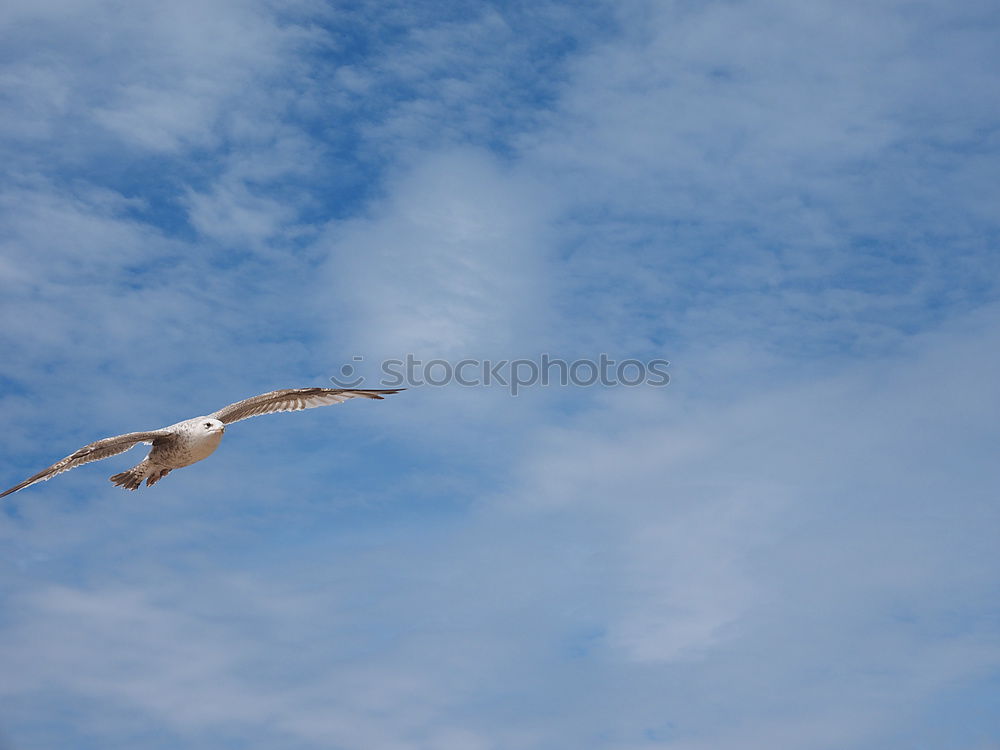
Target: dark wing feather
(292,399)
(105,448)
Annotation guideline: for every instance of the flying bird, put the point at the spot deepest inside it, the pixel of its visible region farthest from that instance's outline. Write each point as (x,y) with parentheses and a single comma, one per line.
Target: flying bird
(190,441)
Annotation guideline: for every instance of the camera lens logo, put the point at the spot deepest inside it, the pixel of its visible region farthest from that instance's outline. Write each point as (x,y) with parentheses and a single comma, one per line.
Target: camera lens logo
(348,377)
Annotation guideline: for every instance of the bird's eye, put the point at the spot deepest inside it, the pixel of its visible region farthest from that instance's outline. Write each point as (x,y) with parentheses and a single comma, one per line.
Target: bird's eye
(208,424)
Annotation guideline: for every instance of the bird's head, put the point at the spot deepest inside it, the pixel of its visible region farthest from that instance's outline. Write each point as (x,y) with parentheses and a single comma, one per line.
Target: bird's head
(209,425)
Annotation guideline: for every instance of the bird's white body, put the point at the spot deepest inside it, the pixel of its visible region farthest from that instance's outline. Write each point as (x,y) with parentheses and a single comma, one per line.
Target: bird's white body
(191,441)
(196,439)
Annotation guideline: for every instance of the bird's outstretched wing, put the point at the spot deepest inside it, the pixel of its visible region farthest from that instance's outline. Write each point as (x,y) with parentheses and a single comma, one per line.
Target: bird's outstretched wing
(105,448)
(292,399)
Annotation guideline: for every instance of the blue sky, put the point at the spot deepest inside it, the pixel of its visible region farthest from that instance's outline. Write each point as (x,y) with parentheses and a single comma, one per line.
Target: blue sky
(793,544)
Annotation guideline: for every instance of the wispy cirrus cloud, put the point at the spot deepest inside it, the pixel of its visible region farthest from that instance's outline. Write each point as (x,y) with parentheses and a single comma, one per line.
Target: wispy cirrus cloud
(781,170)
(669,550)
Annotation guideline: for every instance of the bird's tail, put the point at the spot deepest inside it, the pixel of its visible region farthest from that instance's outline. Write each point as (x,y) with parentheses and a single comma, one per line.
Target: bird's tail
(132,478)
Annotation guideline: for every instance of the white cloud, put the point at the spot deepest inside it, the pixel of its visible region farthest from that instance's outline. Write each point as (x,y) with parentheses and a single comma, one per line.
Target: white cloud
(770,171)
(233,215)
(160,77)
(450,264)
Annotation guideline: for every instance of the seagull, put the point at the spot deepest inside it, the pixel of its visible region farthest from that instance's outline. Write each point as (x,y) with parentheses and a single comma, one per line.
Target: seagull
(190,441)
